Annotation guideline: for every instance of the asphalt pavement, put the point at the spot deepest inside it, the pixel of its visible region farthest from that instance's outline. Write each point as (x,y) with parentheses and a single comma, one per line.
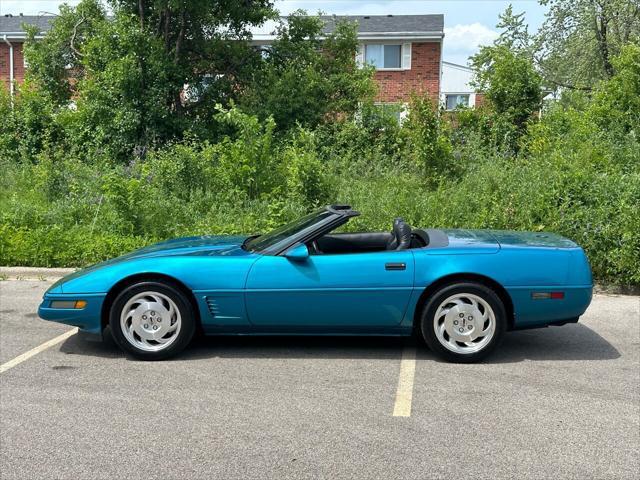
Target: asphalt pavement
(554,403)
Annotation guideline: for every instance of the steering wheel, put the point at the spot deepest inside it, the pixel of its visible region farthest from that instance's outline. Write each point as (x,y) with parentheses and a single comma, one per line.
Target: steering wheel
(316,249)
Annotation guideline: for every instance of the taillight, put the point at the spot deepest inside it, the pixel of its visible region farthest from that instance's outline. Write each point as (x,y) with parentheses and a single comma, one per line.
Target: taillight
(547,295)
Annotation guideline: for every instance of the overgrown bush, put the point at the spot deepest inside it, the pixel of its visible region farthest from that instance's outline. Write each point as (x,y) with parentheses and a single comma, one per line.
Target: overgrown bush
(76,189)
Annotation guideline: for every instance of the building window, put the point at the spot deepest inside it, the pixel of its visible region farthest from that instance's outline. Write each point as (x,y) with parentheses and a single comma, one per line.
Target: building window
(456,101)
(397,111)
(383,56)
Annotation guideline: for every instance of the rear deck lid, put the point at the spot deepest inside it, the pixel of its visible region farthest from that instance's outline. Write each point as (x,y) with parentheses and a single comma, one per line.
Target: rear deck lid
(531,239)
(478,241)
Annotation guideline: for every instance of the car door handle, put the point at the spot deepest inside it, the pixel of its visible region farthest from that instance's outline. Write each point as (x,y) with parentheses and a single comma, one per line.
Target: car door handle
(395,266)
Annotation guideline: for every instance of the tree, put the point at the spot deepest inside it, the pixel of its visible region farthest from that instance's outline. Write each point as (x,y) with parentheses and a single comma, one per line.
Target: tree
(616,105)
(56,62)
(505,72)
(515,32)
(129,72)
(426,140)
(513,89)
(514,36)
(579,38)
(308,77)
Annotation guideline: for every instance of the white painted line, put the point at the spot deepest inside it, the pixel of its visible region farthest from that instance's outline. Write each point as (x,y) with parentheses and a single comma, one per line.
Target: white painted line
(34,351)
(404,394)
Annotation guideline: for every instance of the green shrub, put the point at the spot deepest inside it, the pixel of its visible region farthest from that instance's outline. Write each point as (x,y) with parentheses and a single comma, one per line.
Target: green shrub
(56,245)
(576,172)
(427,143)
(617,102)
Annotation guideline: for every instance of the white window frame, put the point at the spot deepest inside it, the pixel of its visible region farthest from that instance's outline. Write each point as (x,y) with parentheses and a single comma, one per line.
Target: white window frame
(470,103)
(405,55)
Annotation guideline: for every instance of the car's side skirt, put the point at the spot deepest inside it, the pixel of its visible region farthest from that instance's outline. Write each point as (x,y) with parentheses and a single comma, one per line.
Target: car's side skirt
(309,331)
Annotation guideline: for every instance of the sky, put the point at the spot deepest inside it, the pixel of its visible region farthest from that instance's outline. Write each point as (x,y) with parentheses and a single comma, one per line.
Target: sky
(468,23)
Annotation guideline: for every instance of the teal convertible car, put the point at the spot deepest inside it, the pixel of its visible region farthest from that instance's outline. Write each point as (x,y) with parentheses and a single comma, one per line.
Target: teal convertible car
(461,290)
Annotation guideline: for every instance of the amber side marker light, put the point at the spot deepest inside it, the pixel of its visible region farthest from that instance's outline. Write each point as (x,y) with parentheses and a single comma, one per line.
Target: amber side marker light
(75,304)
(547,295)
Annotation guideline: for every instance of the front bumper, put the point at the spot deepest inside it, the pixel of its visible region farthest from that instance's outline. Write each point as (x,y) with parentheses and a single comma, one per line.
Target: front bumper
(87,319)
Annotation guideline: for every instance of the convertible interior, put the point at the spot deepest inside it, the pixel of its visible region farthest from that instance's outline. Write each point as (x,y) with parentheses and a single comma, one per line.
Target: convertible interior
(401,237)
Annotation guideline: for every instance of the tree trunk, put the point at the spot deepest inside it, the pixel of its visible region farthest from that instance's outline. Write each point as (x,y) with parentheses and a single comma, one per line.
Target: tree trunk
(601,22)
(180,39)
(141,12)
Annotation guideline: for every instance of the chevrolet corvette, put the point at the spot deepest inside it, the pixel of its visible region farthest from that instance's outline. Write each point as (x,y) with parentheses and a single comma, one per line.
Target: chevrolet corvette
(459,290)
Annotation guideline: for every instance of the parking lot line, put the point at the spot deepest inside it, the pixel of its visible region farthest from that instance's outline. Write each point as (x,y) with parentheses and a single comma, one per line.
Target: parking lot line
(34,351)
(404,394)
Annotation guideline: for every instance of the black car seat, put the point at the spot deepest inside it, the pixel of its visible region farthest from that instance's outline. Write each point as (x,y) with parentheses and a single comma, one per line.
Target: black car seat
(401,236)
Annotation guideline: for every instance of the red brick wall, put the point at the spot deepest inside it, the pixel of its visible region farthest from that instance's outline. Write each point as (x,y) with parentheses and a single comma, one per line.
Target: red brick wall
(394,86)
(424,76)
(4,64)
(18,63)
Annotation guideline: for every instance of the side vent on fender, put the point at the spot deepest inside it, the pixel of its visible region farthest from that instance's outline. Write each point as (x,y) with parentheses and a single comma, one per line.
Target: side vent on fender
(212,306)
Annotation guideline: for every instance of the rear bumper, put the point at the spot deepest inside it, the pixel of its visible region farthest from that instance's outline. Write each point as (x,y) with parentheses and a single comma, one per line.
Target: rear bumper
(531,312)
(555,323)
(87,319)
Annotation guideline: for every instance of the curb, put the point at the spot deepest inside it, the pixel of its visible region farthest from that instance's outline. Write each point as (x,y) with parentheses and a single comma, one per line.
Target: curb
(615,290)
(33,273)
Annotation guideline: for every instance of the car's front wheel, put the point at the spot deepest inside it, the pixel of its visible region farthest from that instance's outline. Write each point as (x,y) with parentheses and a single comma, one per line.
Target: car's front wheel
(152,320)
(463,322)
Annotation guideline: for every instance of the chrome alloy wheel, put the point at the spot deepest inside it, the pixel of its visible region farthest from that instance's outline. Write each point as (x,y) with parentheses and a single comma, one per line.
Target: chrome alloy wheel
(464,323)
(150,321)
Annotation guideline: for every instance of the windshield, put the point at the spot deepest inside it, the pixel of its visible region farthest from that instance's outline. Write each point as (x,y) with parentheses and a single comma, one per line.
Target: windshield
(263,242)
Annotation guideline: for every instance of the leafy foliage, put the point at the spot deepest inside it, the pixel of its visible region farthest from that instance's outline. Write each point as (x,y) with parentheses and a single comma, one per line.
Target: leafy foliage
(126,75)
(617,102)
(56,62)
(427,143)
(124,154)
(323,73)
(505,73)
(156,70)
(579,39)
(514,91)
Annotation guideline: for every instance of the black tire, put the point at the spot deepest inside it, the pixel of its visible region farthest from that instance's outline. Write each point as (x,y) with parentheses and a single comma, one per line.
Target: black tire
(183,305)
(427,327)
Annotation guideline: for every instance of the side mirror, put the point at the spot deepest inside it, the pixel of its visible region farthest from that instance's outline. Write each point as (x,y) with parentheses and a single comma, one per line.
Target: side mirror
(298,253)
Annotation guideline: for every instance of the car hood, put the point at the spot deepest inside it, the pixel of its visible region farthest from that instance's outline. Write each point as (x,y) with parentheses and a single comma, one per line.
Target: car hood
(203,245)
(215,244)
(218,245)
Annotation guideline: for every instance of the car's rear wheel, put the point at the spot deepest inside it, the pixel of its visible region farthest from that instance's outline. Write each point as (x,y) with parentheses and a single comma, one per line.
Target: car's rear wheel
(463,322)
(152,320)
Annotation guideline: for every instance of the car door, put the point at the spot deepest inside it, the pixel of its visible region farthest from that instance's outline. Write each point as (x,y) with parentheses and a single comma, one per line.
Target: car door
(333,292)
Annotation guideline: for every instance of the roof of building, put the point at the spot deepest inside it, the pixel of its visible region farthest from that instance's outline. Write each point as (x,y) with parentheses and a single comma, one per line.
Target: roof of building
(373,27)
(11,25)
(369,26)
(466,68)
(377,24)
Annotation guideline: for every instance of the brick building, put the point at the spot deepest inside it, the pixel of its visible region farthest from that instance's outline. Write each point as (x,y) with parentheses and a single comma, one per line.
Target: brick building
(12,37)
(404,49)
